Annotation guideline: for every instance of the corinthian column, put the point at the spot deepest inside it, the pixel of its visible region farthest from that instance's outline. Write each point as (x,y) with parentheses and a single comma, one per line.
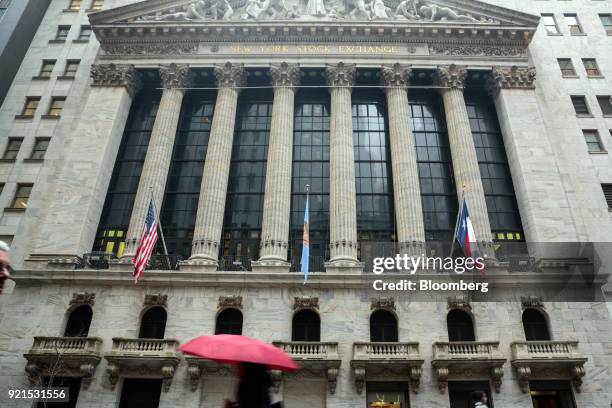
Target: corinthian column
(406,186)
(209,220)
(342,196)
(175,78)
(463,152)
(277,200)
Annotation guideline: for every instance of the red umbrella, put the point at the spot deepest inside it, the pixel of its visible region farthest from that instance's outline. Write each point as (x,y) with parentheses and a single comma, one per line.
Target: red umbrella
(233,349)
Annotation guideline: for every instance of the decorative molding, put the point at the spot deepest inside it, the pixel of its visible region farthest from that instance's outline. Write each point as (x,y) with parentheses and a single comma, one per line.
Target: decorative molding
(288,76)
(156,299)
(305,302)
(359,373)
(149,48)
(116,75)
(396,75)
(332,379)
(176,76)
(442,374)
(340,75)
(510,78)
(383,303)
(450,76)
(230,75)
(497,374)
(532,302)
(83,298)
(475,50)
(194,372)
(230,302)
(459,302)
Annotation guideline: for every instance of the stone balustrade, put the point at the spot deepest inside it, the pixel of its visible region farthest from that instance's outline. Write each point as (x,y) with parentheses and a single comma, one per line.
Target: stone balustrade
(544,349)
(385,351)
(66,345)
(309,350)
(144,347)
(466,350)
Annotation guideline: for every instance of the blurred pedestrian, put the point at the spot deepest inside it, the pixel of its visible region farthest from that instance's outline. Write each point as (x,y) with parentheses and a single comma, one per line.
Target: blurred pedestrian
(5,264)
(481,399)
(254,388)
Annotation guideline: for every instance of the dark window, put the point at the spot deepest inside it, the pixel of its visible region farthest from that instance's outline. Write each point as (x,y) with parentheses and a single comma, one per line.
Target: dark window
(593,141)
(573,24)
(435,166)
(374,185)
(85,33)
(606,21)
(140,393)
(74,387)
(550,23)
(551,394)
(78,322)
(57,104)
(153,324)
(178,212)
(229,321)
(31,104)
(62,33)
(75,5)
(567,67)
(117,210)
(22,195)
(607,190)
(247,178)
(460,326)
(580,105)
(502,208)
(306,326)
(71,68)
(462,394)
(40,148)
(12,148)
(605,103)
(383,326)
(591,67)
(46,69)
(535,325)
(310,166)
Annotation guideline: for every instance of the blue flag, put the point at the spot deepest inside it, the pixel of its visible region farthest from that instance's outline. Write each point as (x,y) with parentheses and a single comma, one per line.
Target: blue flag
(305,243)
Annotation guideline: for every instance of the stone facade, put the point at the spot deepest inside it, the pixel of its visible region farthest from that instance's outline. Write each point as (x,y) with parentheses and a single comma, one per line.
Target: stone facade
(557,184)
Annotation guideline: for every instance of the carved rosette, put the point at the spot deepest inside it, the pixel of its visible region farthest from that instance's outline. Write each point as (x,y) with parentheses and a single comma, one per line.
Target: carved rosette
(116,75)
(230,75)
(510,78)
(176,76)
(285,75)
(450,76)
(396,75)
(340,74)
(83,298)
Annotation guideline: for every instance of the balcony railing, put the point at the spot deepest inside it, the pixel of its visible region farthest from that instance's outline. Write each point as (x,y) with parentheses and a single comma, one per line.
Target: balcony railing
(386,351)
(315,264)
(66,345)
(544,350)
(235,263)
(467,350)
(144,347)
(309,350)
(163,262)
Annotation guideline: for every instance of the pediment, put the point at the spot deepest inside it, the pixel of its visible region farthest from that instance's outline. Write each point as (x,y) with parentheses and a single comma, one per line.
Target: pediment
(379,12)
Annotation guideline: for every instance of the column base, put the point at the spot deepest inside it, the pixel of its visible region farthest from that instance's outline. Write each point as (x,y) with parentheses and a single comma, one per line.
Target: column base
(271,265)
(344,266)
(206,265)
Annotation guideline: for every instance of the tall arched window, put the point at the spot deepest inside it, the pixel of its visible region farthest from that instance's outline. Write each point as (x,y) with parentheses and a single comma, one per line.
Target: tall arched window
(153,324)
(460,326)
(383,326)
(78,322)
(306,326)
(229,321)
(535,325)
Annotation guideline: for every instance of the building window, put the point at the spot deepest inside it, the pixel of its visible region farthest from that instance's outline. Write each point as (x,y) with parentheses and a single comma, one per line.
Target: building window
(535,325)
(22,195)
(12,148)
(573,24)
(606,21)
(383,326)
(72,383)
(78,322)
(591,67)
(153,323)
(306,326)
(57,104)
(31,104)
(460,326)
(178,212)
(580,105)
(607,190)
(85,33)
(97,4)
(550,23)
(392,393)
(246,187)
(592,140)
(40,148)
(605,103)
(46,69)
(4,5)
(553,394)
(71,68)
(567,67)
(75,5)
(140,393)
(465,394)
(122,189)
(229,321)
(62,33)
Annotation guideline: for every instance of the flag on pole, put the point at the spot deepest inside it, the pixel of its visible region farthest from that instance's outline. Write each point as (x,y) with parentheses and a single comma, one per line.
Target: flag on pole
(147,243)
(465,234)
(305,243)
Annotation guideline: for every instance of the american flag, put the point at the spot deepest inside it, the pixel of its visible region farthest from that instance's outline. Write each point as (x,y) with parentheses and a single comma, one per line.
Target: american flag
(147,243)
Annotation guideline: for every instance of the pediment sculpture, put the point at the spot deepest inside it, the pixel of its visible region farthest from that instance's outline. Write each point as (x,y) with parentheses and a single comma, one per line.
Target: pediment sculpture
(410,10)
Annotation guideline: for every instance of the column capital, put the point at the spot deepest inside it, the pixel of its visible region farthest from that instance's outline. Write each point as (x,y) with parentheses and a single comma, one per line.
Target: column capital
(116,75)
(285,75)
(176,76)
(450,76)
(340,74)
(230,75)
(510,78)
(396,75)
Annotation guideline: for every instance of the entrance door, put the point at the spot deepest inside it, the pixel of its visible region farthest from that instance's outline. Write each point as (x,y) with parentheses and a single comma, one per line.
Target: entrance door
(461,393)
(551,394)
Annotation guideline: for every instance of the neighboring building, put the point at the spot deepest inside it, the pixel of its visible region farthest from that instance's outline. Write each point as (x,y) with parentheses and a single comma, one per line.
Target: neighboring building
(224,112)
(19,20)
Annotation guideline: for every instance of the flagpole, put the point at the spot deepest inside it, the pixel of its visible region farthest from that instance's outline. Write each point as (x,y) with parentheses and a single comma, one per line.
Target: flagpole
(457,221)
(161,231)
(303,243)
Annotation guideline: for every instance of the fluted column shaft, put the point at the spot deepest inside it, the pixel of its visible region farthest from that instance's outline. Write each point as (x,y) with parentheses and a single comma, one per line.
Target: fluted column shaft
(342,197)
(463,152)
(277,200)
(159,153)
(213,191)
(406,185)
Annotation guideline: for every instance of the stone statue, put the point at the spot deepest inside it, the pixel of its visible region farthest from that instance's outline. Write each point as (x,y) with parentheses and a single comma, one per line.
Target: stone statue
(316,8)
(407,9)
(255,8)
(434,12)
(198,10)
(358,9)
(379,10)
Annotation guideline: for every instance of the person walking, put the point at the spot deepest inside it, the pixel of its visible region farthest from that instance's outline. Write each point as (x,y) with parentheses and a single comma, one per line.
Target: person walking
(481,399)
(254,388)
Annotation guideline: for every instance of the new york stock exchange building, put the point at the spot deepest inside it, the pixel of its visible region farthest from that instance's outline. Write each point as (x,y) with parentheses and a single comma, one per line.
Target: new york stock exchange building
(383,115)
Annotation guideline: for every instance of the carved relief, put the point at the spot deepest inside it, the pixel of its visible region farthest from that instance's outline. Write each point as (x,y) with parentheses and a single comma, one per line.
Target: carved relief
(476,50)
(383,303)
(532,302)
(156,299)
(459,302)
(230,301)
(396,75)
(510,77)
(450,76)
(359,374)
(285,75)
(114,75)
(340,75)
(161,48)
(176,76)
(83,298)
(306,303)
(230,75)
